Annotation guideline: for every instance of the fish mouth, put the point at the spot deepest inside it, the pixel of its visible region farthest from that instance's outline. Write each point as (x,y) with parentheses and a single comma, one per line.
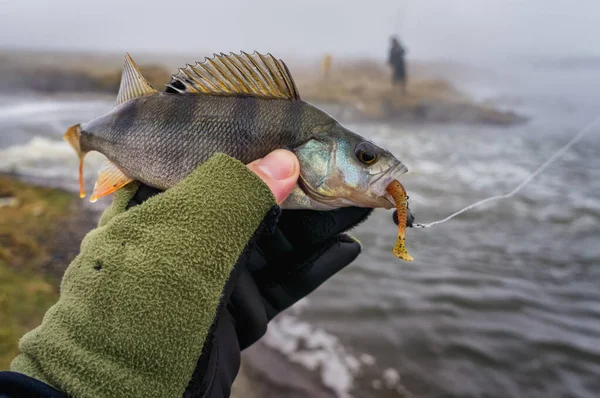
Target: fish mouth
(378,197)
(326,202)
(380,184)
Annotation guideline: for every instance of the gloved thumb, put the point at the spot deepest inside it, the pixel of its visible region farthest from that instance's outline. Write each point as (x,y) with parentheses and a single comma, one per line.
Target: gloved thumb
(279,170)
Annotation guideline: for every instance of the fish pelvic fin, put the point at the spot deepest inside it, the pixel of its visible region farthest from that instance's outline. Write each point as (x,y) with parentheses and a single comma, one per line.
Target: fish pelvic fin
(254,75)
(110,179)
(73,137)
(133,83)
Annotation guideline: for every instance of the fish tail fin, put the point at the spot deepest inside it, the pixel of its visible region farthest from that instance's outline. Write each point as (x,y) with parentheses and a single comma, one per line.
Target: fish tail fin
(73,137)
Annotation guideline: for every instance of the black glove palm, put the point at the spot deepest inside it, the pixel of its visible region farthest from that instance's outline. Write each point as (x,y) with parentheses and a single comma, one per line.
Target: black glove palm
(294,255)
(303,250)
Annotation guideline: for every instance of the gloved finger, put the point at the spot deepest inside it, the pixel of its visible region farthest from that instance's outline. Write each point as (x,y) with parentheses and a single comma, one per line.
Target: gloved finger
(219,363)
(309,227)
(248,308)
(283,290)
(143,193)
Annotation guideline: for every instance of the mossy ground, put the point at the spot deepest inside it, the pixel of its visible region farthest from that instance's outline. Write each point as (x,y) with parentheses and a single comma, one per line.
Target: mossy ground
(24,298)
(31,220)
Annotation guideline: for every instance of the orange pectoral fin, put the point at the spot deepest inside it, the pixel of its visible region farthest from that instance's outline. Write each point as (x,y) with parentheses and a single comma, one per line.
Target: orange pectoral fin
(110,179)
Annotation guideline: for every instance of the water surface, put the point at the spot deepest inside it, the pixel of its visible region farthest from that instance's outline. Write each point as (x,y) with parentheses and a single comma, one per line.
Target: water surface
(503,301)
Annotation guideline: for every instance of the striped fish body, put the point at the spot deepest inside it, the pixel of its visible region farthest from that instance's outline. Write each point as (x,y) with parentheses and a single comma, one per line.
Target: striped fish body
(159,139)
(245,106)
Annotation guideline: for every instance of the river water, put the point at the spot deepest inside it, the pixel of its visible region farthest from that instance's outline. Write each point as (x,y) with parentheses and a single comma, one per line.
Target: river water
(503,301)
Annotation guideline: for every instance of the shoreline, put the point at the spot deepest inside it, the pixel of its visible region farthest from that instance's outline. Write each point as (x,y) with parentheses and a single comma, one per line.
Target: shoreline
(361,88)
(40,264)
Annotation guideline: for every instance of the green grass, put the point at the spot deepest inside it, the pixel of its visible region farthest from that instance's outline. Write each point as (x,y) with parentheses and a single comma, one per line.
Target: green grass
(24,298)
(30,220)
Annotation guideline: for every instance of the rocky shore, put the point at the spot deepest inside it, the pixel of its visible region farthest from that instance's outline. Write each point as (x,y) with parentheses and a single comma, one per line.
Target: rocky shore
(363,91)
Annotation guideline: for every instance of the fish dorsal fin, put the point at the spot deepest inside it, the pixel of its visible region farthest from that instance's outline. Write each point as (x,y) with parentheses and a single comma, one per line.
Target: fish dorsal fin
(254,75)
(133,83)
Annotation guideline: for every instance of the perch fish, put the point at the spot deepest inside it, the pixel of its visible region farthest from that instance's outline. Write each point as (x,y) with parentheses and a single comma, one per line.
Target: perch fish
(245,106)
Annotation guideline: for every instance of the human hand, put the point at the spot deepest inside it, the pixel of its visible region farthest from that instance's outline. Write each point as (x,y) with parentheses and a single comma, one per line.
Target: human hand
(300,253)
(297,252)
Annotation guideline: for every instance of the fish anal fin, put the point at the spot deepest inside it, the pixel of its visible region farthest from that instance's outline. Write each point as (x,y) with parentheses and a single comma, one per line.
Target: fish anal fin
(73,137)
(110,179)
(133,83)
(254,75)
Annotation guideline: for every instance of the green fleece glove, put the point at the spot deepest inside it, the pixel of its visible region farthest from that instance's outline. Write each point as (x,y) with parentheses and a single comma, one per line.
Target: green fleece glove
(137,303)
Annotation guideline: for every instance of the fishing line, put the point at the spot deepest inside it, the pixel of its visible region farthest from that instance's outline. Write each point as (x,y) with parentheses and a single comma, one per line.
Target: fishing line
(525,182)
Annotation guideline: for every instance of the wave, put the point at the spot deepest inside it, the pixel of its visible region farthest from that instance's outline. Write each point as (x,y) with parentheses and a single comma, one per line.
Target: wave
(314,349)
(24,109)
(322,352)
(51,159)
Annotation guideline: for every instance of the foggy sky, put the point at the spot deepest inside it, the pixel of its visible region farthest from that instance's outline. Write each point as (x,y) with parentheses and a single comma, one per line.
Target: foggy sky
(430,28)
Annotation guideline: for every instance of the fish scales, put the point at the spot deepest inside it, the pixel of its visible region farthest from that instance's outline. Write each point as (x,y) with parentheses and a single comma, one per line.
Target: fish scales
(160,139)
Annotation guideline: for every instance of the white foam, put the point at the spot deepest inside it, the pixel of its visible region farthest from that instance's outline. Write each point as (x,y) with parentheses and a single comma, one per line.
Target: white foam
(391,377)
(367,359)
(320,351)
(316,350)
(24,109)
(42,157)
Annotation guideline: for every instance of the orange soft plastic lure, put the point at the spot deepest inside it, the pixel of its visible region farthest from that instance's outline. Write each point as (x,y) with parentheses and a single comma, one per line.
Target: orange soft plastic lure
(397,191)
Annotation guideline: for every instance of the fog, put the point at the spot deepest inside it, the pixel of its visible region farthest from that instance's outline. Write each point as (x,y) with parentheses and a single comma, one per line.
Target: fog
(459,29)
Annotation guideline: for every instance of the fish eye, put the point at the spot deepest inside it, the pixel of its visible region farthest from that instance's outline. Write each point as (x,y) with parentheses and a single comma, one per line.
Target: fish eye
(366,153)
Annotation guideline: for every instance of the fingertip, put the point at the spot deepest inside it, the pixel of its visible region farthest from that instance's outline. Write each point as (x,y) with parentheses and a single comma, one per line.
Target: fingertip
(280,170)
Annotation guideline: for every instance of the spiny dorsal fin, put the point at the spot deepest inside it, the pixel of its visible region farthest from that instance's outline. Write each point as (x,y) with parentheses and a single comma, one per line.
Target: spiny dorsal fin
(133,84)
(248,74)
